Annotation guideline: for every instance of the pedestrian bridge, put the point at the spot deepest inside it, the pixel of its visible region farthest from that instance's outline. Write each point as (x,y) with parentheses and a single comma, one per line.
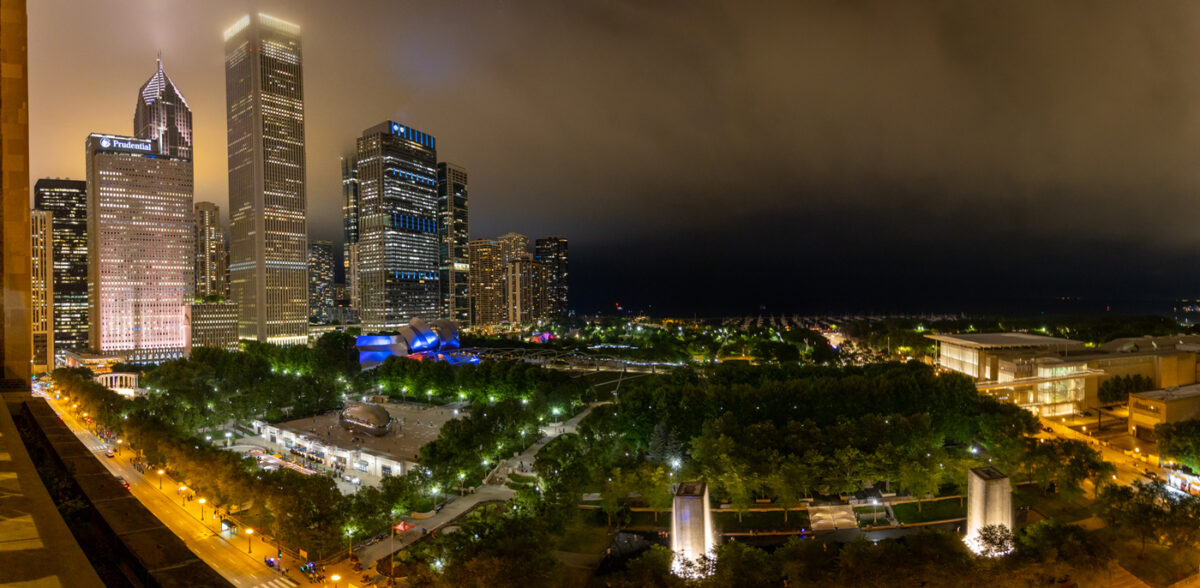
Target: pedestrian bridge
(123,383)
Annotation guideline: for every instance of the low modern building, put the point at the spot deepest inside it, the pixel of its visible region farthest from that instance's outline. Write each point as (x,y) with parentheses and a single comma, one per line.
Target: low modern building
(1150,409)
(1052,376)
(214,324)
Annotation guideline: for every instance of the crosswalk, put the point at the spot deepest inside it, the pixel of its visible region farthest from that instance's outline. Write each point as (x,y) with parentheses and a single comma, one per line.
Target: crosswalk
(279,583)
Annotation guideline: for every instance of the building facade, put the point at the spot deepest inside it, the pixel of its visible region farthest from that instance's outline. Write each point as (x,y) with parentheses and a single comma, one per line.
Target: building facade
(349,163)
(42,287)
(453,235)
(486,293)
(397,226)
(268,261)
(66,201)
(141,271)
(519,278)
(551,286)
(213,324)
(14,196)
(320,279)
(162,115)
(210,252)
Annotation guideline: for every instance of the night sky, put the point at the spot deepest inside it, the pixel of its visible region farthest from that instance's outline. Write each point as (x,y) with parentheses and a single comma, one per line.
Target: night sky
(708,158)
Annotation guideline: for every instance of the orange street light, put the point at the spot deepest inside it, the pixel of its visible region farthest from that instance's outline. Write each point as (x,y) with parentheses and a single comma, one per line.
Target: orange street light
(201,501)
(249,545)
(160,473)
(335,579)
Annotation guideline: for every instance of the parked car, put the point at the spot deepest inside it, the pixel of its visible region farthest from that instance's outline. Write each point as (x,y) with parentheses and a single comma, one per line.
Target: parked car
(123,482)
(109,453)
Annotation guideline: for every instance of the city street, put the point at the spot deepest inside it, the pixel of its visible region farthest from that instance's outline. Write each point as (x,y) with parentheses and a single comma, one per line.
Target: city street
(228,557)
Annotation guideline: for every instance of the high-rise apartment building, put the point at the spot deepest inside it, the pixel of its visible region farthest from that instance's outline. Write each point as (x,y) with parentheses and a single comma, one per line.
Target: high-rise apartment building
(42,287)
(551,283)
(513,246)
(349,163)
(66,201)
(397,226)
(162,115)
(519,303)
(486,293)
(264,97)
(453,235)
(141,255)
(210,251)
(320,279)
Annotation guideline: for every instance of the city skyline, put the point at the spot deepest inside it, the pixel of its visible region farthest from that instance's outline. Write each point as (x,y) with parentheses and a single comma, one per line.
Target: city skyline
(963,172)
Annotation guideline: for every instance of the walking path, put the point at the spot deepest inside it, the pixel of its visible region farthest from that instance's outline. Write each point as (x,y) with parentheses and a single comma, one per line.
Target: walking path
(457,506)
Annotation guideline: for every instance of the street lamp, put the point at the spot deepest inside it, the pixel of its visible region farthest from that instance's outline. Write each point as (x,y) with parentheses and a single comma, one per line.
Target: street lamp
(182,496)
(249,546)
(202,501)
(335,579)
(875,507)
(119,442)
(350,541)
(160,473)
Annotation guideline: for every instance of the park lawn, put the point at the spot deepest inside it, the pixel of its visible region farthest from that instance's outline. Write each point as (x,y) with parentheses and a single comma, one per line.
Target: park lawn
(931,510)
(1162,565)
(1053,506)
(727,522)
(585,533)
(644,521)
(524,478)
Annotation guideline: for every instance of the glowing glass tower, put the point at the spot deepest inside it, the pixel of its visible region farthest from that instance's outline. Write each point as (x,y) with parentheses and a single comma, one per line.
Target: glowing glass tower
(397,227)
(453,235)
(268,253)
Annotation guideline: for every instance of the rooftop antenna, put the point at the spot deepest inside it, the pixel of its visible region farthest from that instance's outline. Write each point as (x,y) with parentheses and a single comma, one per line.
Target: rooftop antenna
(160,59)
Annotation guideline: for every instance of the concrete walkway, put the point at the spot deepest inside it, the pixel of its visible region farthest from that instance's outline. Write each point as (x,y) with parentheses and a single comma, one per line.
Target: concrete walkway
(458,505)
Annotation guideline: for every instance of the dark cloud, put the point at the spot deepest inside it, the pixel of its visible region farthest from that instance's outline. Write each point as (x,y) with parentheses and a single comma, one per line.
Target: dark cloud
(798,153)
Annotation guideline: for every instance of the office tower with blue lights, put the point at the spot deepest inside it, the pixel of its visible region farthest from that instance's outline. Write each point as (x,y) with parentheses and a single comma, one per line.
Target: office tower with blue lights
(66,201)
(268,250)
(397,227)
(453,236)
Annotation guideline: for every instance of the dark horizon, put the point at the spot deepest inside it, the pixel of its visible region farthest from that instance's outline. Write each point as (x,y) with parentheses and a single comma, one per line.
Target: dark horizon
(806,157)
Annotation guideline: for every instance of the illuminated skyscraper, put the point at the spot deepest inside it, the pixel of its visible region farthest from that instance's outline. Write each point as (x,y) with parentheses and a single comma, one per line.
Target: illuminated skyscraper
(350,225)
(453,235)
(264,97)
(397,226)
(210,251)
(141,265)
(162,115)
(486,293)
(320,279)
(551,283)
(66,201)
(42,309)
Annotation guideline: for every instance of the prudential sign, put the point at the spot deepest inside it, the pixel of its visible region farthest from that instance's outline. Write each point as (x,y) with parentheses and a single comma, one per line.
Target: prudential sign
(126,144)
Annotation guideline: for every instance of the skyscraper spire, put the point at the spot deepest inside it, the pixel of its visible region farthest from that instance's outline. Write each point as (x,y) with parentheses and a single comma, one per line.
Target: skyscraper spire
(162,115)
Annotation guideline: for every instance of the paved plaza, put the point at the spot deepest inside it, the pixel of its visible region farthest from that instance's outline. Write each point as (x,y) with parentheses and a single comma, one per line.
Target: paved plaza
(413,425)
